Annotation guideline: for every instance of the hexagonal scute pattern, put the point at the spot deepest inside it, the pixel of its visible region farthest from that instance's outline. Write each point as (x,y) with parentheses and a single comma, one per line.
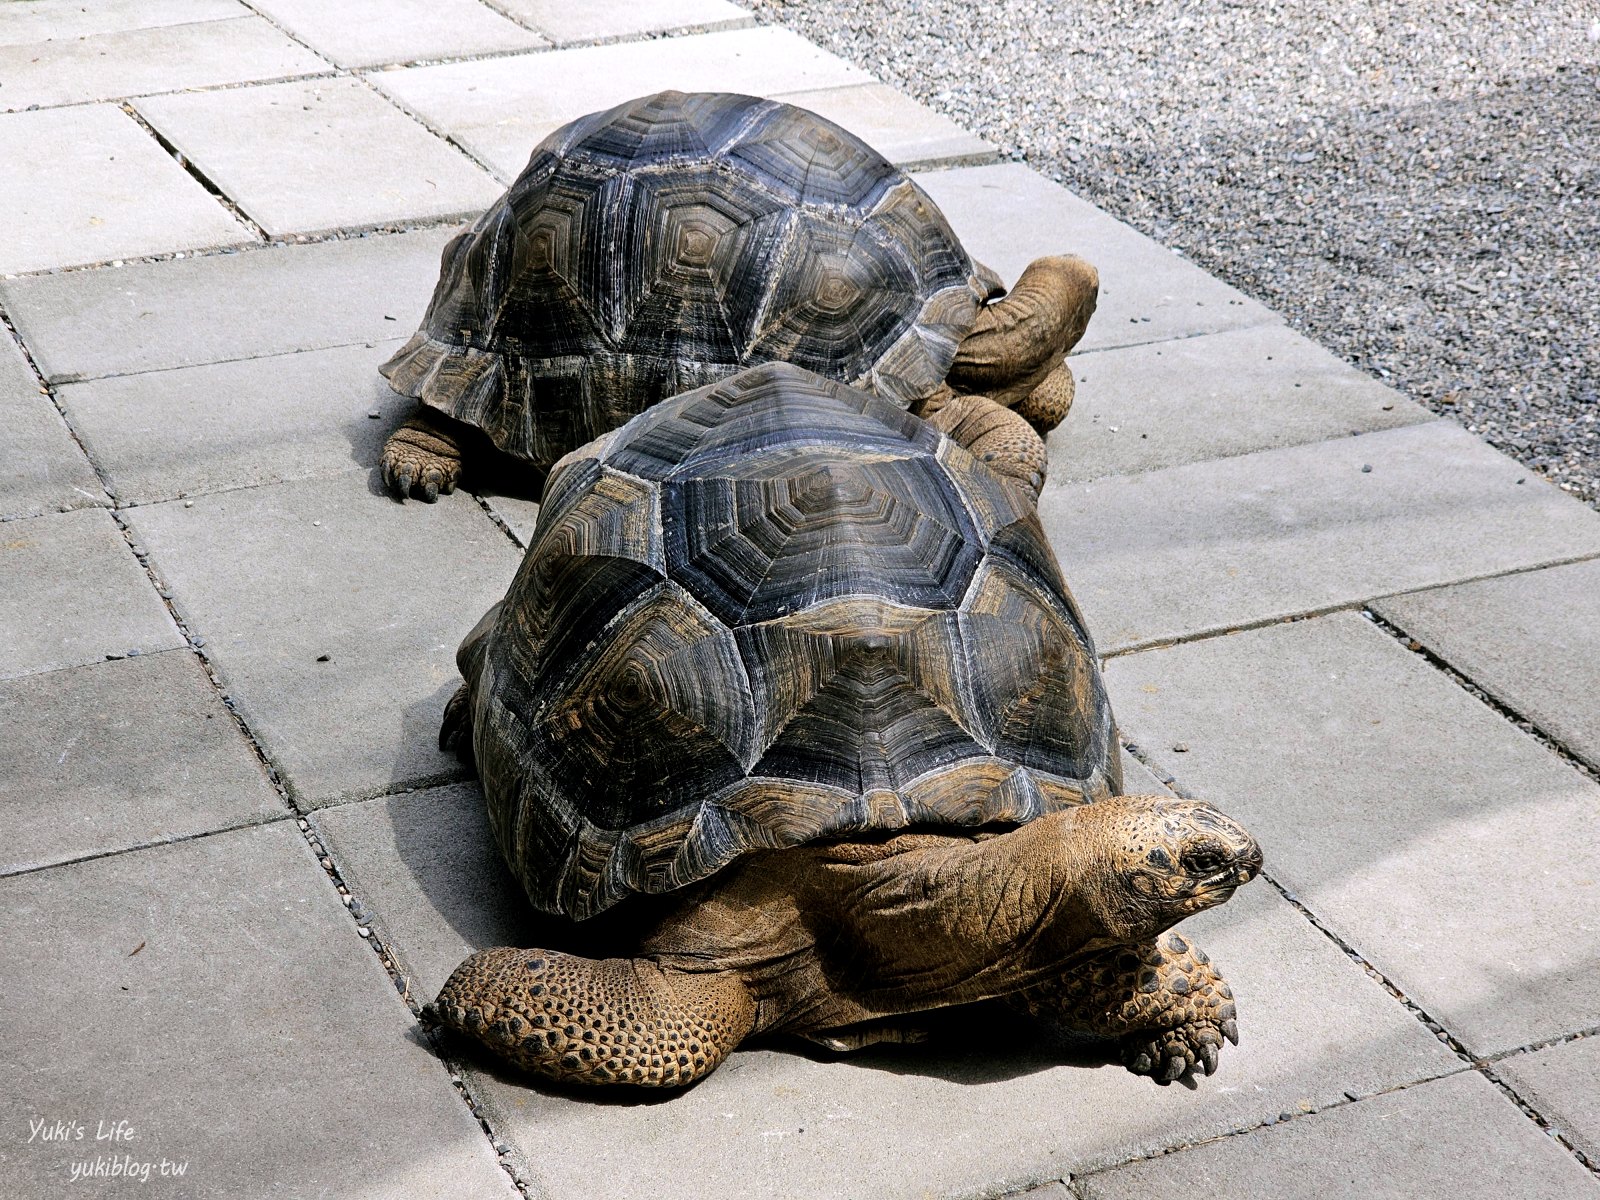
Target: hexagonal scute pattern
(773,610)
(665,244)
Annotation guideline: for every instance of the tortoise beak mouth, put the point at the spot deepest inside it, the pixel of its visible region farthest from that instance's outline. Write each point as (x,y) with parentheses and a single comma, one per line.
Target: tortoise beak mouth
(1220,885)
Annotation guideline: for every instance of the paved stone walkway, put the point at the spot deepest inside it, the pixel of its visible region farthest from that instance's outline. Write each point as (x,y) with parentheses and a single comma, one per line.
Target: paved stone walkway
(233,861)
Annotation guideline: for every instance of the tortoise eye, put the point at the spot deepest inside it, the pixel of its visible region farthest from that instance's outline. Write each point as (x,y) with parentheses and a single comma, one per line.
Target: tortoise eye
(1202,862)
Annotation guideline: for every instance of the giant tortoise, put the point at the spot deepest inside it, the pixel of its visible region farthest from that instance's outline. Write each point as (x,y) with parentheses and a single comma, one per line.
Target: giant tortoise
(797,675)
(671,241)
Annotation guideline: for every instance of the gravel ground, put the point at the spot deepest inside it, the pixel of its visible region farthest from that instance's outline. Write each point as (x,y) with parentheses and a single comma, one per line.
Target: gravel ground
(1415,184)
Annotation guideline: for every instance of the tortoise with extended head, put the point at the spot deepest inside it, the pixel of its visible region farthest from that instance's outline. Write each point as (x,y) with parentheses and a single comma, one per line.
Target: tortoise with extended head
(800,674)
(671,241)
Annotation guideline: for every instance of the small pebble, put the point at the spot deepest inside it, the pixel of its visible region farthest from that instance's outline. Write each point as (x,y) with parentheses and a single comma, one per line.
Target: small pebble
(324,658)
(373,414)
(188,503)
(1180,747)
(363,931)
(319,522)
(1366,468)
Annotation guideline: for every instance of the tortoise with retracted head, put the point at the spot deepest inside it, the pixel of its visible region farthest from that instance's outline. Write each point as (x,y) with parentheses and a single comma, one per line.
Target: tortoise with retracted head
(799,675)
(675,239)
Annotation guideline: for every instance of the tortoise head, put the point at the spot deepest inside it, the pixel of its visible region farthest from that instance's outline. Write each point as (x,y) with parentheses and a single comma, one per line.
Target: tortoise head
(1158,860)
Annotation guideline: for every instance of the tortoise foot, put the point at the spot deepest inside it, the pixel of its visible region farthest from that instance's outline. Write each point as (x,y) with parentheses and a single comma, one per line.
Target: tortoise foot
(595,1021)
(1163,1001)
(1169,1054)
(421,458)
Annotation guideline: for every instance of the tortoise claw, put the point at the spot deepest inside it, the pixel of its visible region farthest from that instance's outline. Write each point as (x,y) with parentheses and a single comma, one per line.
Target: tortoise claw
(1230,1030)
(1208,1059)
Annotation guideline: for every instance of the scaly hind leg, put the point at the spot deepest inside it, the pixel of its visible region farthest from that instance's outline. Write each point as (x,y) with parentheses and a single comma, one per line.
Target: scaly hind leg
(596,1021)
(1018,343)
(423,456)
(993,434)
(455,729)
(1162,1000)
(1048,404)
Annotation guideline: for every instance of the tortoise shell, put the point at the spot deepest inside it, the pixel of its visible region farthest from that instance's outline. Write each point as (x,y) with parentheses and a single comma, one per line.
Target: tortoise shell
(771,611)
(671,241)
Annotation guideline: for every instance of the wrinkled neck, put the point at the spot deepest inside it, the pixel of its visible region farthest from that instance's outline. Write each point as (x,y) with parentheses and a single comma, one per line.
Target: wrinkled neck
(978,919)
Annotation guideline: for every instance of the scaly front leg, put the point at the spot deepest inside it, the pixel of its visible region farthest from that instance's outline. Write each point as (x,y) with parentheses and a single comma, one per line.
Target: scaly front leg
(1163,1000)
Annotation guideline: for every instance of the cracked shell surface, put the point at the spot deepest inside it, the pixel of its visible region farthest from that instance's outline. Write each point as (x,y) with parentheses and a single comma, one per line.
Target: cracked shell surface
(669,242)
(770,611)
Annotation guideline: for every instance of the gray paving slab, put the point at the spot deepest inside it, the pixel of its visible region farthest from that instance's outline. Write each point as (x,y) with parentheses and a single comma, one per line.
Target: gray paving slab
(56,20)
(45,470)
(74,594)
(612,20)
(325,154)
(159,435)
(274,300)
(1455,1138)
(364,33)
(86,185)
(1000,1114)
(333,614)
(1562,1083)
(100,758)
(1530,640)
(214,997)
(1007,215)
(108,66)
(1138,779)
(1445,845)
(501,108)
(519,513)
(1142,408)
(1215,545)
